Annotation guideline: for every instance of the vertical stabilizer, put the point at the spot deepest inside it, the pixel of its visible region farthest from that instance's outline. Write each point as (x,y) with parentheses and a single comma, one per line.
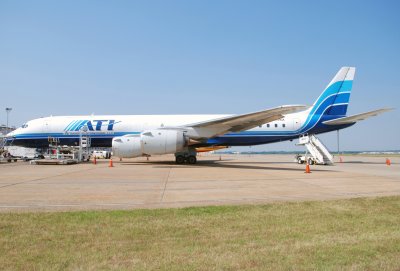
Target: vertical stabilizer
(335,98)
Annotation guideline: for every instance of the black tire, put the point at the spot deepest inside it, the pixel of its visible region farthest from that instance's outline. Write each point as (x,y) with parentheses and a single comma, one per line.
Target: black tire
(299,161)
(179,159)
(310,162)
(192,159)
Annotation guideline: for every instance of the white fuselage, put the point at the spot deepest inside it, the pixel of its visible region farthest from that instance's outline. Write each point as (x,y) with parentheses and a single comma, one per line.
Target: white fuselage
(100,125)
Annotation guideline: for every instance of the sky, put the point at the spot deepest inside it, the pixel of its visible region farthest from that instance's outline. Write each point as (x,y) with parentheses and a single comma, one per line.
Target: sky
(200,57)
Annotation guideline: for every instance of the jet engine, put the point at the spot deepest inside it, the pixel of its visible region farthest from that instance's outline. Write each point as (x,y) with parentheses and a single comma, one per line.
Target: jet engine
(149,143)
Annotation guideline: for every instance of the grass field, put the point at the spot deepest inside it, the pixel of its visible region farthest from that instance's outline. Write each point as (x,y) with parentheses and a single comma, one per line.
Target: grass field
(354,234)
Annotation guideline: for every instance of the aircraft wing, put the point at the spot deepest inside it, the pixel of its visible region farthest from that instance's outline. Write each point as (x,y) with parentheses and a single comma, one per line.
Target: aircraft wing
(243,122)
(355,118)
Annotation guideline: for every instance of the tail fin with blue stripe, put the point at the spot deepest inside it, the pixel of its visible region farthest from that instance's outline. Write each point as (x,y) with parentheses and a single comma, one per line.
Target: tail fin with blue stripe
(335,98)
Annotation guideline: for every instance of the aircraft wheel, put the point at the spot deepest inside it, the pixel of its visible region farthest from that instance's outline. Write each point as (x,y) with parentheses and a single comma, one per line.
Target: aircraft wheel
(192,159)
(180,159)
(299,161)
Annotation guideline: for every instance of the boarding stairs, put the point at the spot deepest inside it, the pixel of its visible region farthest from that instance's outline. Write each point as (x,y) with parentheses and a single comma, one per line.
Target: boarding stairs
(317,149)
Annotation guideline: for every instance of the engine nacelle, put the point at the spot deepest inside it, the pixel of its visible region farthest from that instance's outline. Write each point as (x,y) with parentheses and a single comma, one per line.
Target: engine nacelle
(127,146)
(149,143)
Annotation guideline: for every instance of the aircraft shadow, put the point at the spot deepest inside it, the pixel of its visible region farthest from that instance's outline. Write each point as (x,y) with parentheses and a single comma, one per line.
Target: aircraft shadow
(217,164)
(368,163)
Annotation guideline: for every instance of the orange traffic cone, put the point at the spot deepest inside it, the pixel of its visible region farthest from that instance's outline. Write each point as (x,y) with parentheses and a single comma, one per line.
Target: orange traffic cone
(94,160)
(111,163)
(388,162)
(307,169)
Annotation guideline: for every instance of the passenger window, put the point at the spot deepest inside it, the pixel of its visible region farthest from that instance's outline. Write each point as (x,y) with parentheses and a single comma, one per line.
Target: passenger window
(268,125)
(276,125)
(283,125)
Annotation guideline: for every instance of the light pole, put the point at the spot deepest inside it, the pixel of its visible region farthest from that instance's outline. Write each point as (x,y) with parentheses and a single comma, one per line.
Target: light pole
(8,110)
(338,149)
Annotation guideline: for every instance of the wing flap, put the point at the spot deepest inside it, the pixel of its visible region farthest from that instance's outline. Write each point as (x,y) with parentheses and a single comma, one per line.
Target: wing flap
(358,117)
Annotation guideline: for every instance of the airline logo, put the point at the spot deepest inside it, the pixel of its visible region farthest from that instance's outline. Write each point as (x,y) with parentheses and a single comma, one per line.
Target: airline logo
(92,125)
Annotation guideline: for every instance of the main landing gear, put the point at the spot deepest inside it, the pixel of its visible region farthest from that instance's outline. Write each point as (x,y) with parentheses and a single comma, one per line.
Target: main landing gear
(185,157)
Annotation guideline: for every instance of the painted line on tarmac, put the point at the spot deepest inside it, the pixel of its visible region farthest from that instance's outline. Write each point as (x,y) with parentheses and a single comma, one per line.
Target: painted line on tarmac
(165,185)
(44,178)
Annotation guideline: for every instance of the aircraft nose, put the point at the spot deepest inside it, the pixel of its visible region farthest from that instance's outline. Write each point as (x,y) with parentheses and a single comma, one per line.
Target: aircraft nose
(12,133)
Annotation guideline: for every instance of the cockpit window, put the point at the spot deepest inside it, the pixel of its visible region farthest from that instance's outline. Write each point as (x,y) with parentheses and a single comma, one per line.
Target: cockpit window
(24,125)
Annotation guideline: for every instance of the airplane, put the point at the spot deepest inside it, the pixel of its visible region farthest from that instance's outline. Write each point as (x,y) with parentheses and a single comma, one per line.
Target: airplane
(144,135)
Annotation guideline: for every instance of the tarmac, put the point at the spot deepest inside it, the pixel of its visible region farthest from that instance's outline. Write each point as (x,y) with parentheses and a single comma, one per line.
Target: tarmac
(160,183)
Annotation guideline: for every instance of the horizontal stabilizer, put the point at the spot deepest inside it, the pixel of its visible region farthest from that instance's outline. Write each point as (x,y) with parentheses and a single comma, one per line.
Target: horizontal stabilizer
(358,117)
